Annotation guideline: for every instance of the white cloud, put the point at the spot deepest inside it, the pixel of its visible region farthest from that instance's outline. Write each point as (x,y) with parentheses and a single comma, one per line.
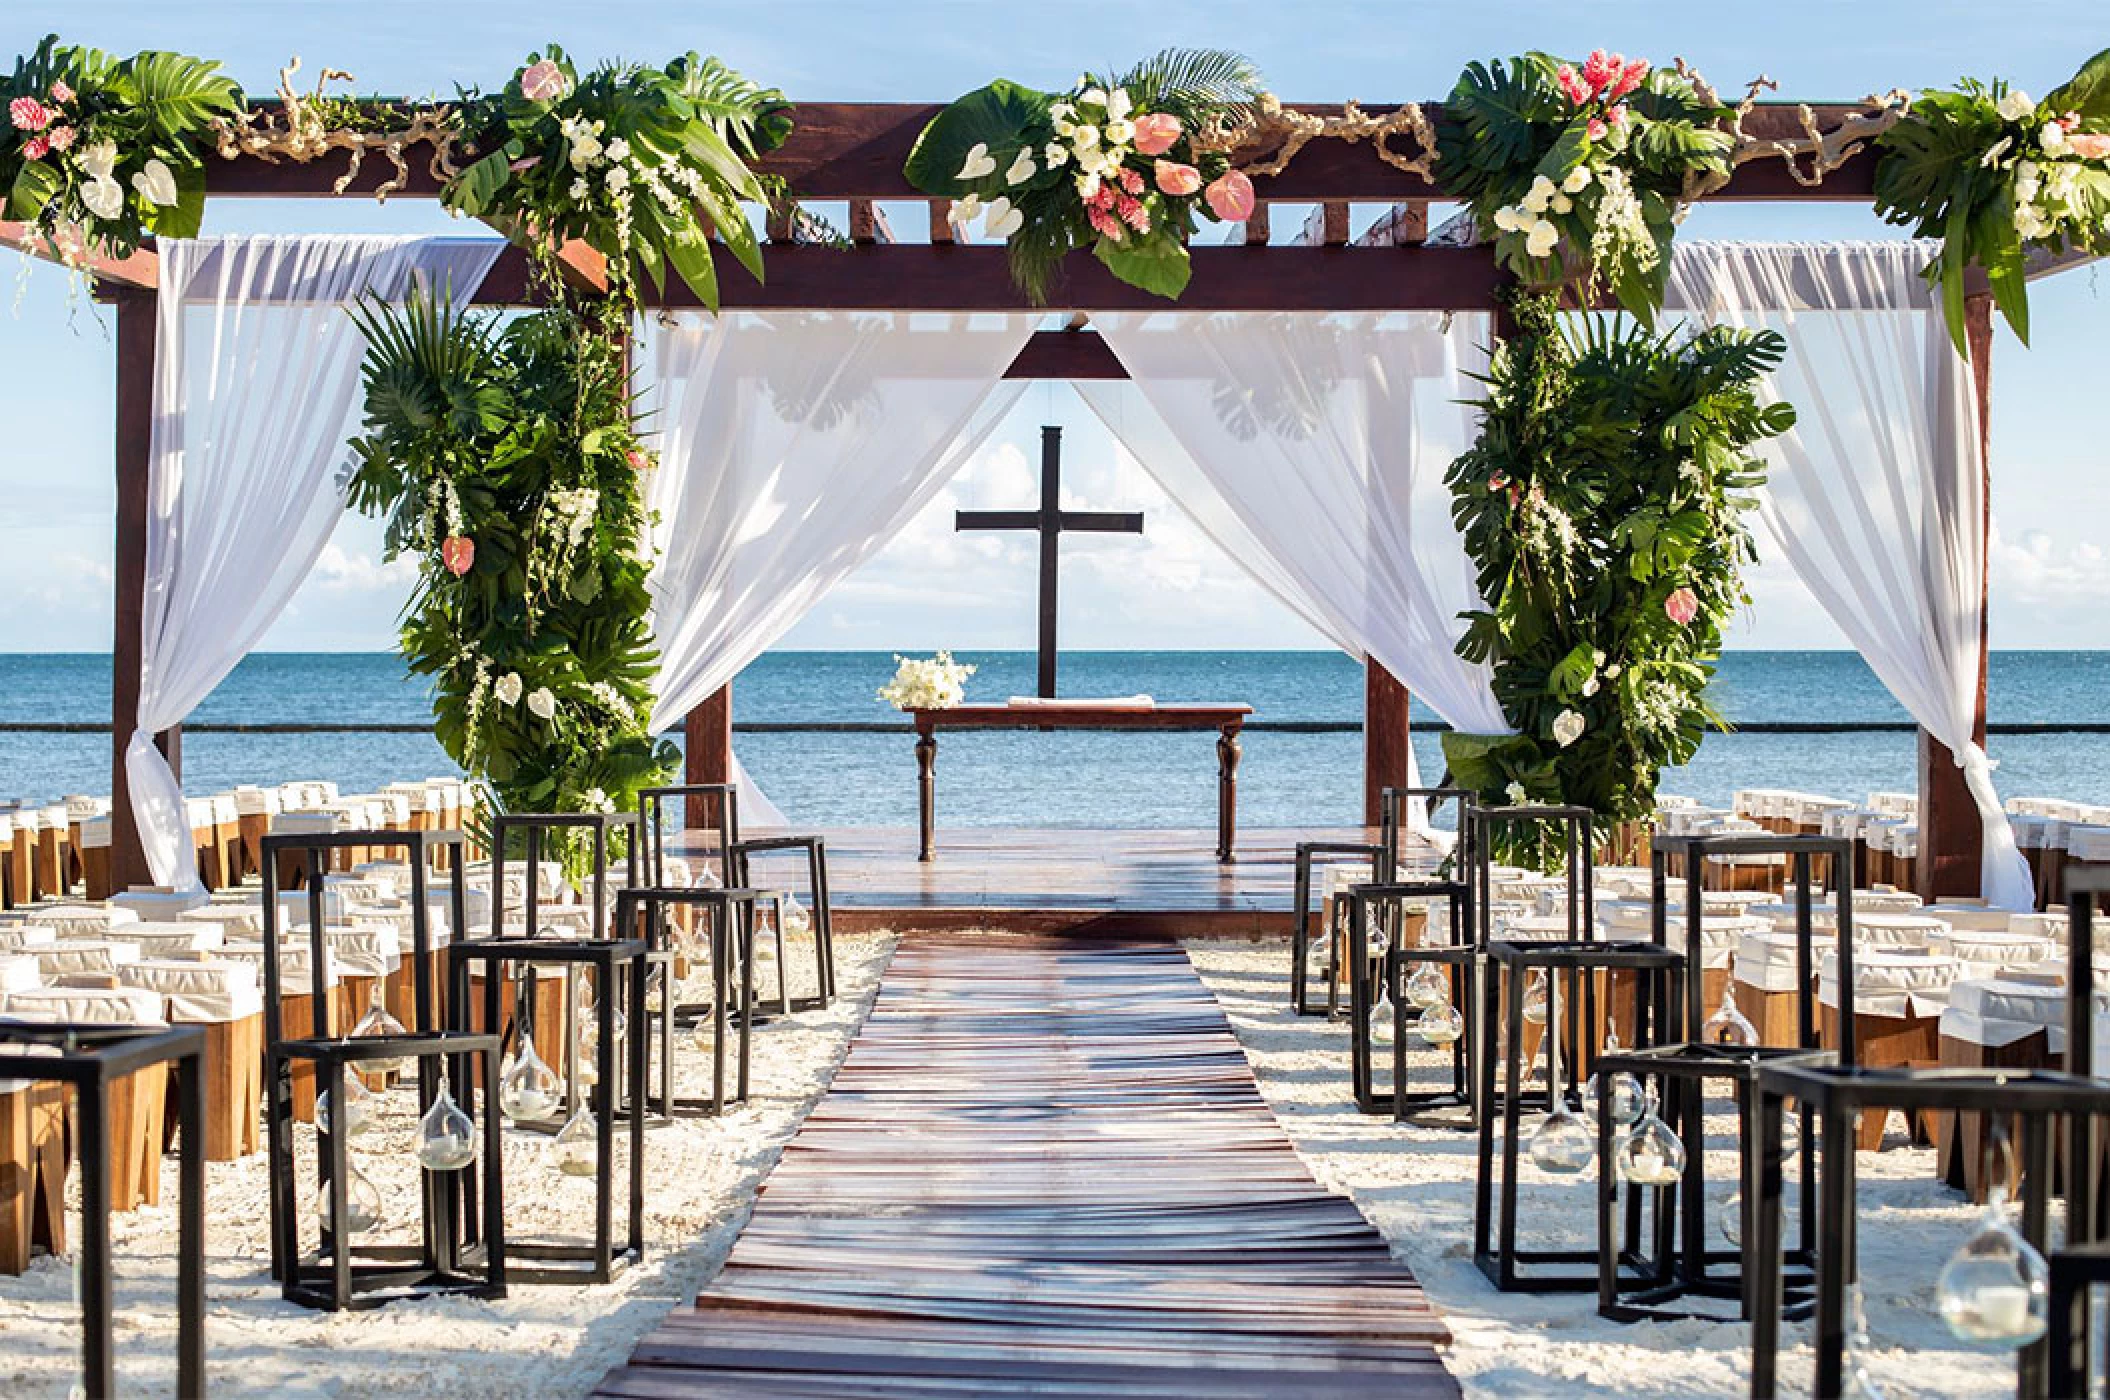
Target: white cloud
(341,570)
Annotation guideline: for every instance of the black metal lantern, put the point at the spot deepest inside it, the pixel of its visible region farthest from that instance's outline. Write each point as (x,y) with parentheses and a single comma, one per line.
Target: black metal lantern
(1378,1000)
(783,907)
(89,1059)
(536,831)
(711,806)
(727,916)
(456,1251)
(1683,1264)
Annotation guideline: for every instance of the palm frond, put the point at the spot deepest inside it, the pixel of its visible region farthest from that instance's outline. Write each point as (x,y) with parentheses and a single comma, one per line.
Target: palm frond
(1197,80)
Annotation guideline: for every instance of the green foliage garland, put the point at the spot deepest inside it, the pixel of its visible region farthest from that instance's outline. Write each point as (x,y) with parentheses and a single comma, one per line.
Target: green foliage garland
(1115,165)
(645,165)
(504,455)
(1992,174)
(1579,170)
(1603,506)
(99,152)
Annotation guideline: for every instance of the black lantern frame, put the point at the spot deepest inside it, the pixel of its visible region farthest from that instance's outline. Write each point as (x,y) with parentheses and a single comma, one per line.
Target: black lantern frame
(2087,1254)
(620,967)
(1383,906)
(651,811)
(729,915)
(89,1059)
(1686,1267)
(741,860)
(535,829)
(456,1253)
(1309,855)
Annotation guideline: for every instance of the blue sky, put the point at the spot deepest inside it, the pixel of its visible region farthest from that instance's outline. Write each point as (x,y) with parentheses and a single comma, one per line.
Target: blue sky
(2051,412)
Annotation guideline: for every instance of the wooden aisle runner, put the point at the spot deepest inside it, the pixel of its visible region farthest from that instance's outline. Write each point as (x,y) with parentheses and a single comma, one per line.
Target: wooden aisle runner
(1045,1169)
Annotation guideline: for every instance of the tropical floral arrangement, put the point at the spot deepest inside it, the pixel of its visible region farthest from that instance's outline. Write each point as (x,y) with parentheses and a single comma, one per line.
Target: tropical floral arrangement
(99,152)
(505,456)
(644,165)
(939,683)
(1993,174)
(1603,506)
(1120,164)
(1579,170)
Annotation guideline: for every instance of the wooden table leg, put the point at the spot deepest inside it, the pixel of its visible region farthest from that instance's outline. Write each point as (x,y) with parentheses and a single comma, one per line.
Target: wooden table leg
(1228,752)
(926,792)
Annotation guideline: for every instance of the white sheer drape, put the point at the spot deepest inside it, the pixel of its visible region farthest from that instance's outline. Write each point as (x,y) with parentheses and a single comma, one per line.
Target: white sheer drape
(1877,496)
(1312,447)
(793,445)
(256,382)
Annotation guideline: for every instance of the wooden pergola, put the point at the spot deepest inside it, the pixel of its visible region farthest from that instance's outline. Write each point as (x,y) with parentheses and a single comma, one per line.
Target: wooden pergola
(851,155)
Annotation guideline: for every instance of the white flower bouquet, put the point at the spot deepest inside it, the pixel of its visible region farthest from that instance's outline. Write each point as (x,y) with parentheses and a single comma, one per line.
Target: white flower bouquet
(937,684)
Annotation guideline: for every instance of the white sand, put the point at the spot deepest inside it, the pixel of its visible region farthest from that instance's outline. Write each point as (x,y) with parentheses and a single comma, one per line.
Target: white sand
(701,1176)
(1415,1185)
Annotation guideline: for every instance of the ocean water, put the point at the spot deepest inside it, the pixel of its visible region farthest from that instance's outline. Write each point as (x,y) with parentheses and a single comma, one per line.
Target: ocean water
(1062,778)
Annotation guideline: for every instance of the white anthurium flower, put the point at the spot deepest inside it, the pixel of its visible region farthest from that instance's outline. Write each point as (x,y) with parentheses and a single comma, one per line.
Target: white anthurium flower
(979,163)
(2015,106)
(1119,104)
(508,688)
(1022,168)
(618,178)
(1578,180)
(1562,204)
(1994,152)
(156,184)
(98,160)
(1003,218)
(104,197)
(1589,687)
(966,211)
(1056,155)
(1568,726)
(542,704)
(1085,137)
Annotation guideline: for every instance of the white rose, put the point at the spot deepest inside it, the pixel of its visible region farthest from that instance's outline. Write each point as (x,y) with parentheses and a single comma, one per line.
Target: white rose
(1085,137)
(2015,106)
(1093,97)
(104,197)
(156,184)
(1119,104)
(98,160)
(542,704)
(1120,132)
(1578,180)
(508,688)
(1568,726)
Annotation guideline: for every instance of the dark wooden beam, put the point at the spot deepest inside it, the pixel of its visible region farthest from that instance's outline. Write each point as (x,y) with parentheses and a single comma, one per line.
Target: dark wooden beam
(707,745)
(1388,754)
(1326,226)
(855,150)
(1952,838)
(134,438)
(1405,225)
(142,269)
(1066,355)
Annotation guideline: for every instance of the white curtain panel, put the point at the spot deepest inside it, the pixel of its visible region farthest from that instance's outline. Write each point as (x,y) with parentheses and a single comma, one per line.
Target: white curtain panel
(1312,448)
(256,389)
(793,446)
(1877,496)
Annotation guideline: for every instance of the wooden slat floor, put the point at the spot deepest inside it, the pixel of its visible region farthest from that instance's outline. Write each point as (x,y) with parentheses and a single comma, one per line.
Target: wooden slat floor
(1044,1168)
(1049,879)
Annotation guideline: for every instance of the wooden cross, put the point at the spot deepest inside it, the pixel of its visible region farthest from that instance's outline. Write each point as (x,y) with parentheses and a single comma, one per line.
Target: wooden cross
(1051,521)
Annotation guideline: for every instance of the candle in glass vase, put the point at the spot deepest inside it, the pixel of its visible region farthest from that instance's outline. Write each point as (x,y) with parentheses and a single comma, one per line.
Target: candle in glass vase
(2003,1311)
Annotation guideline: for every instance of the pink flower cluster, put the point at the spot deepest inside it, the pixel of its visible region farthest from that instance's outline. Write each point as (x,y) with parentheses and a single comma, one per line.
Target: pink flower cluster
(1605,77)
(28,114)
(1115,207)
(35,117)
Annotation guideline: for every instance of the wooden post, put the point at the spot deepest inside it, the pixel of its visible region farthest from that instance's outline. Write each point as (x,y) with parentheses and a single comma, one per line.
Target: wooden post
(708,748)
(1951,838)
(136,316)
(1387,746)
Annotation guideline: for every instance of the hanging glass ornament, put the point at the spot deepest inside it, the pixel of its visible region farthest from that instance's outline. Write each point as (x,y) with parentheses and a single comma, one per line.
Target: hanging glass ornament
(796,919)
(358,1107)
(528,1091)
(1428,987)
(1625,1096)
(1441,1024)
(656,990)
(1728,1025)
(1650,1155)
(1319,952)
(446,1138)
(1732,1219)
(378,1022)
(362,1202)
(1860,1384)
(1538,1000)
(1563,1145)
(1381,1014)
(1994,1290)
(575,1150)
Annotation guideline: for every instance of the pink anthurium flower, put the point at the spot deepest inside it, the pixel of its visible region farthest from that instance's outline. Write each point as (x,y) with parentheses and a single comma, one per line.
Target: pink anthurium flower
(542,82)
(1156,132)
(1682,606)
(458,553)
(1230,196)
(1176,179)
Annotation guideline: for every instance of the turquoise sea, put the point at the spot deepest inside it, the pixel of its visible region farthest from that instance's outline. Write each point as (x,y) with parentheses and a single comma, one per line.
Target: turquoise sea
(1060,779)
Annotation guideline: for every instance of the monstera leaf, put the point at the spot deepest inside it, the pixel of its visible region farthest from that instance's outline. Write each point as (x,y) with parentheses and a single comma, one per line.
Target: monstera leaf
(1001,118)
(2087,93)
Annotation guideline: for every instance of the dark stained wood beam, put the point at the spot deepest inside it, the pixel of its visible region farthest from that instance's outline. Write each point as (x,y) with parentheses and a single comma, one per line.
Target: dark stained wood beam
(1405,225)
(140,270)
(1254,232)
(855,150)
(134,439)
(1326,226)
(1073,354)
(707,740)
(1388,754)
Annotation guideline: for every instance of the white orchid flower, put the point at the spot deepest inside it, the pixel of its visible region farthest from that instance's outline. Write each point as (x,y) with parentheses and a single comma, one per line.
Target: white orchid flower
(618,178)
(1516,794)
(98,160)
(580,190)
(1002,218)
(1022,169)
(619,149)
(104,197)
(2015,106)
(1568,726)
(1119,104)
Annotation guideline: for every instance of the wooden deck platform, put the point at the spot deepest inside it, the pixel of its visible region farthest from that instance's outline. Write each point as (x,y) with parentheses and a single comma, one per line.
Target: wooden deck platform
(1045,1168)
(1059,880)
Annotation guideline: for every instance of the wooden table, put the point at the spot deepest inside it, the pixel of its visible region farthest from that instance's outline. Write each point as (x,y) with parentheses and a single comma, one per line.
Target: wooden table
(1227,720)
